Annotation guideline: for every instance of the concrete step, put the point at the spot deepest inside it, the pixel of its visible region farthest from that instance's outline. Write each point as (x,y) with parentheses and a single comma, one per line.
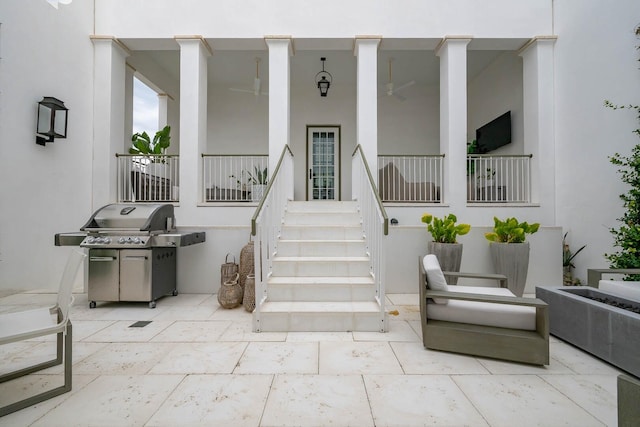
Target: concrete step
(318,289)
(312,247)
(321,232)
(322,206)
(320,266)
(323,218)
(321,317)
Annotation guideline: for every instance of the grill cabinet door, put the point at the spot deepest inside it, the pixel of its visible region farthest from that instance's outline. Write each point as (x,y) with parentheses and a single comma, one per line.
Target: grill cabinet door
(103,275)
(135,275)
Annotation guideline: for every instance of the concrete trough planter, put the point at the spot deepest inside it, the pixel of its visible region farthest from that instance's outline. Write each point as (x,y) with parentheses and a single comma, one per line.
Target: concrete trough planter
(608,332)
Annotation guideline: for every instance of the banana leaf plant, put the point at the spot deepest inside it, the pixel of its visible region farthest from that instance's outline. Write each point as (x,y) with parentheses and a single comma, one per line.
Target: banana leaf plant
(510,231)
(142,145)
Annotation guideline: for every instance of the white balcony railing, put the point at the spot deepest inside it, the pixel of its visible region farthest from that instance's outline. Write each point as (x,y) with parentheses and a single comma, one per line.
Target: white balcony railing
(233,178)
(498,179)
(410,179)
(151,178)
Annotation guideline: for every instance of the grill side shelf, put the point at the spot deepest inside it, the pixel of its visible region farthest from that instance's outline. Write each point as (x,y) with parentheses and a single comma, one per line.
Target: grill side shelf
(69,239)
(178,239)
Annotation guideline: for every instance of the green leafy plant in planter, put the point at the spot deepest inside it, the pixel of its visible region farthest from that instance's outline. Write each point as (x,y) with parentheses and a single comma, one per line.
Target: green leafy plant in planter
(444,232)
(258,177)
(510,252)
(143,145)
(510,230)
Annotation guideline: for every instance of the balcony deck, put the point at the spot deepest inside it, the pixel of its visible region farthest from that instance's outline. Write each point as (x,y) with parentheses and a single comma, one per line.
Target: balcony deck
(199,364)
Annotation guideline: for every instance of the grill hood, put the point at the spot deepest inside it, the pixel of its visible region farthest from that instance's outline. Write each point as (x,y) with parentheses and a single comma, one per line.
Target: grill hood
(140,217)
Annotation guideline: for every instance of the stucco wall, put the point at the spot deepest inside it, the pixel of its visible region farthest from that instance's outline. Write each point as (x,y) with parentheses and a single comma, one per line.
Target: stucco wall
(43,190)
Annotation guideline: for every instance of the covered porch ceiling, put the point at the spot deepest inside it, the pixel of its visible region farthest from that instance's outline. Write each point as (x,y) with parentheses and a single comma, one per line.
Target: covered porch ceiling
(233,62)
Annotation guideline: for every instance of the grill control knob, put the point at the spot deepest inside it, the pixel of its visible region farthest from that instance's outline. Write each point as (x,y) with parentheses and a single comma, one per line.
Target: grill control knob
(107,240)
(121,240)
(91,240)
(137,241)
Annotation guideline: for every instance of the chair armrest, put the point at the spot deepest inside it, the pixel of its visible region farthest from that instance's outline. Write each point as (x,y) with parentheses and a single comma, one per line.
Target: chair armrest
(595,274)
(497,299)
(501,278)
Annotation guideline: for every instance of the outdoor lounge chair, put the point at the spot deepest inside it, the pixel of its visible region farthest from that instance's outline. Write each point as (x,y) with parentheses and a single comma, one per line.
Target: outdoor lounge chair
(394,188)
(29,324)
(481,321)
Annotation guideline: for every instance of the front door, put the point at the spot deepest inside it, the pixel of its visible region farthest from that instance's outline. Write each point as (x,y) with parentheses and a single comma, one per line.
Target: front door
(323,163)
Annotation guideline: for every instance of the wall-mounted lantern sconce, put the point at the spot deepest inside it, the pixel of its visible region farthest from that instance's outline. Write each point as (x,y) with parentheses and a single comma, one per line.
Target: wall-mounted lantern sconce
(323,79)
(52,120)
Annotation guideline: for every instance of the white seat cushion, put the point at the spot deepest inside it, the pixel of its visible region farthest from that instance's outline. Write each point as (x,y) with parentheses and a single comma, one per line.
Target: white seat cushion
(435,277)
(627,289)
(484,313)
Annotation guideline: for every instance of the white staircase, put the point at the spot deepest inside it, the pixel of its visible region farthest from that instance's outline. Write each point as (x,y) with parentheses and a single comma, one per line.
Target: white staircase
(320,279)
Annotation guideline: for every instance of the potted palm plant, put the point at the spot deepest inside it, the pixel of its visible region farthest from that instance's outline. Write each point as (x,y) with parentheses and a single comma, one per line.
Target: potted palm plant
(154,150)
(444,245)
(258,182)
(510,251)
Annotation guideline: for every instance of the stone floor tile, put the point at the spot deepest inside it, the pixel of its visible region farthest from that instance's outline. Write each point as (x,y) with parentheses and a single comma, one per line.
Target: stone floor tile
(398,331)
(403,299)
(113,400)
(124,359)
(595,393)
(243,332)
(123,331)
(215,400)
(342,358)
(579,361)
(419,400)
(192,331)
(523,400)
(319,336)
(415,359)
(316,400)
(279,358)
(201,358)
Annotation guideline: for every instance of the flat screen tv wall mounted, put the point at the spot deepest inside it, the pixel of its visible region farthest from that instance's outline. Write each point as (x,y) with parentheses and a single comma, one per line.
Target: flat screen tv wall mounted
(494,134)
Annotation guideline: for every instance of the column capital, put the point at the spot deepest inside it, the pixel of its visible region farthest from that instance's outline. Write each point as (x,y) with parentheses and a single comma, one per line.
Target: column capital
(188,39)
(275,40)
(452,40)
(536,41)
(101,39)
(365,41)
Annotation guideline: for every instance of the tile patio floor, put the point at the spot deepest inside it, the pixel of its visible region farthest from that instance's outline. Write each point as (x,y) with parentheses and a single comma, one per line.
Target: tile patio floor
(199,364)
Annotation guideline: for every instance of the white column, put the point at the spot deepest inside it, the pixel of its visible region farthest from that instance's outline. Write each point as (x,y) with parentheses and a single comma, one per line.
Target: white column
(193,116)
(128,107)
(453,117)
(366,51)
(163,110)
(280,51)
(108,112)
(538,111)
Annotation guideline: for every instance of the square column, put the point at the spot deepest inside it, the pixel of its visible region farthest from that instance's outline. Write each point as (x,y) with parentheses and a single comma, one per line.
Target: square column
(128,107)
(366,51)
(538,112)
(280,51)
(109,96)
(194,52)
(453,117)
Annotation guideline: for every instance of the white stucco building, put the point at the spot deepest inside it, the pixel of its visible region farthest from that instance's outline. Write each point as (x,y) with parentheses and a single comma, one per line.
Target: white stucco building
(462,63)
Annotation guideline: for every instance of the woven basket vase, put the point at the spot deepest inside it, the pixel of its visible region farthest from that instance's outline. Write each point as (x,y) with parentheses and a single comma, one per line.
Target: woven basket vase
(228,270)
(230,293)
(249,299)
(246,263)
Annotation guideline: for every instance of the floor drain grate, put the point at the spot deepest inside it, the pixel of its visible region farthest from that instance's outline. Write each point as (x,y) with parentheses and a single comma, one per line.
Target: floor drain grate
(140,324)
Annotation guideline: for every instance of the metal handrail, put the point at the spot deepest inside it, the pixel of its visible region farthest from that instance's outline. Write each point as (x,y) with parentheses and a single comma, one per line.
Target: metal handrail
(373,186)
(266,225)
(375,224)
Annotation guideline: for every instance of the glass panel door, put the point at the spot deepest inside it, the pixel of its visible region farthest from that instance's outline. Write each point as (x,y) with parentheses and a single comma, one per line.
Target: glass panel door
(323,163)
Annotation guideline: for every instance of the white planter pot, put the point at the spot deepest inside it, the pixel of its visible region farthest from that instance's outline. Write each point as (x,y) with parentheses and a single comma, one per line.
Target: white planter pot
(257,191)
(512,260)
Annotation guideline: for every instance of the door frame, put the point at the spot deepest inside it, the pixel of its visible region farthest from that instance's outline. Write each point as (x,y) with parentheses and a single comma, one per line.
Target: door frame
(338,159)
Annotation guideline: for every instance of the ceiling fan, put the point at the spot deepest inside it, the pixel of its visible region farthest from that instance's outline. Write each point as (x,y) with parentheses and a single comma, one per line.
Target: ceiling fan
(256,83)
(392,90)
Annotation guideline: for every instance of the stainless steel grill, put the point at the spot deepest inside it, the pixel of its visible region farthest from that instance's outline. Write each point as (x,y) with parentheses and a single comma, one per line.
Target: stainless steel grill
(132,252)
